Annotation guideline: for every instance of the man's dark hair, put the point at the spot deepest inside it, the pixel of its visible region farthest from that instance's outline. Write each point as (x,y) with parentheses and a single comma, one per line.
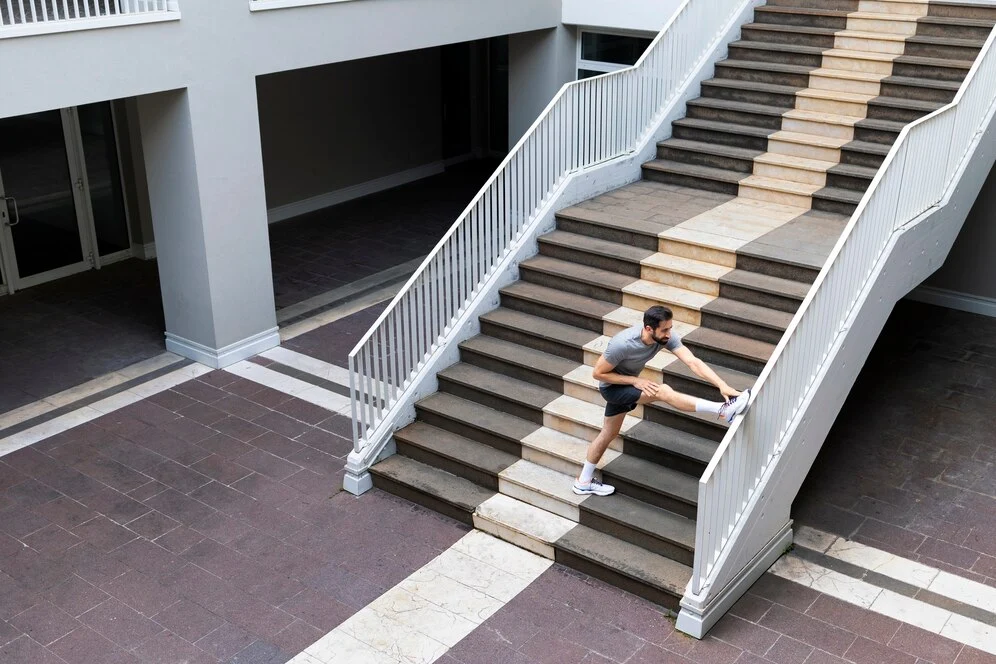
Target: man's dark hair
(656,315)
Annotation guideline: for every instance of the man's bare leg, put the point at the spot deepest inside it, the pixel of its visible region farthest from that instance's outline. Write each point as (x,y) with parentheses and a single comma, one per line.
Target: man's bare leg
(690,404)
(610,429)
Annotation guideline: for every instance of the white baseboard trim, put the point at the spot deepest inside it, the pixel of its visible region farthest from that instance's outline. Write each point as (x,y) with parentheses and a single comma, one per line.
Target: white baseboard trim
(222,357)
(697,621)
(144,251)
(973,304)
(322,201)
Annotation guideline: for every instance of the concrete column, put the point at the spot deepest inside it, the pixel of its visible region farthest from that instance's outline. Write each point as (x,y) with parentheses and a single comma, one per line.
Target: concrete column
(205,175)
(539,63)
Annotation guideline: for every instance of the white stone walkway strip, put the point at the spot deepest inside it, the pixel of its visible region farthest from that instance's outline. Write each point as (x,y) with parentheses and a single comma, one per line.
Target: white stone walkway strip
(886,602)
(295,387)
(309,365)
(96,409)
(432,610)
(896,567)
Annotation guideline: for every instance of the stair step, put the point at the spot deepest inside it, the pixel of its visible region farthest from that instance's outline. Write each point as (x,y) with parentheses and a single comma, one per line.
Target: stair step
(563,452)
(537,332)
(576,310)
(471,420)
(815,140)
(625,317)
(764,283)
(738,380)
(687,273)
(731,344)
(542,487)
(800,163)
(705,172)
(780,186)
(639,516)
(595,281)
(751,313)
(951,86)
(841,195)
(634,232)
(652,483)
(496,391)
(709,148)
(854,171)
(499,352)
(436,489)
(598,247)
(625,565)
(520,523)
(482,463)
(669,441)
(580,418)
(650,293)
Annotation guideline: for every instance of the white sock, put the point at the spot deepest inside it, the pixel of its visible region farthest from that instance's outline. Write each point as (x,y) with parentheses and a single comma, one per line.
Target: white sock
(587,473)
(703,406)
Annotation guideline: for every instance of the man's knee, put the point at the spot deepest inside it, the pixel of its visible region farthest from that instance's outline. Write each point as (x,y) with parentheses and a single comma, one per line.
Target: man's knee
(665,393)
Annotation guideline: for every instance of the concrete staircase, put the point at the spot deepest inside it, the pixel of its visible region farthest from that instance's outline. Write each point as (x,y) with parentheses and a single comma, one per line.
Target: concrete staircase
(729,227)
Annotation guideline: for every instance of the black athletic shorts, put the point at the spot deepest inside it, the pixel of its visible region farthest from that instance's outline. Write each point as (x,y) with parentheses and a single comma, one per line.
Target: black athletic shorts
(619,398)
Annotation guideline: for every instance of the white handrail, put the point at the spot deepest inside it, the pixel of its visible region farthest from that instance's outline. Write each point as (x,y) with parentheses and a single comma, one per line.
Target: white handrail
(30,12)
(588,122)
(916,174)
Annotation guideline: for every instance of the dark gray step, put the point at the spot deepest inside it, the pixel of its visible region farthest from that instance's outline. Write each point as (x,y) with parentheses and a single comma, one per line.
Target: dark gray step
(455,454)
(574,278)
(651,483)
(745,319)
(471,420)
(624,565)
(668,447)
(773,33)
(884,132)
(683,379)
(944,47)
(920,66)
(777,263)
(606,226)
(649,527)
(777,96)
(776,73)
(793,54)
(731,350)
(703,425)
(919,88)
(690,175)
(832,5)
(763,290)
(802,16)
(712,155)
(841,201)
(863,153)
(515,397)
(576,248)
(519,362)
(953,27)
(566,308)
(723,133)
(963,10)
(436,489)
(537,333)
(851,177)
(736,112)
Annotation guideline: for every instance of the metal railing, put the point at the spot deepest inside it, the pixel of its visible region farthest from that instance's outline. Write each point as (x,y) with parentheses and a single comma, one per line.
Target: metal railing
(588,122)
(40,12)
(916,174)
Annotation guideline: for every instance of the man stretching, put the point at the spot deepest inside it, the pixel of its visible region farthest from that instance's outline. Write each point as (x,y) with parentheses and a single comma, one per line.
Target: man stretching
(618,372)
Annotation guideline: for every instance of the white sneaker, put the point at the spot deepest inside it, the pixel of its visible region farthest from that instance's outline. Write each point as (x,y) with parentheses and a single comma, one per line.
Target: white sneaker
(734,407)
(594,487)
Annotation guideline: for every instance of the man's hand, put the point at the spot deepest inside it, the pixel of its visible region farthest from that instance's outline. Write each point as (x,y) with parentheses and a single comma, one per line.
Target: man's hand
(648,387)
(728,392)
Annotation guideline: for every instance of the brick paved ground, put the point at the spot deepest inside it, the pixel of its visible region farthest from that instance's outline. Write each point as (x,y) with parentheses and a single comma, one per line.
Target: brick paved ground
(202,525)
(568,617)
(909,465)
(332,343)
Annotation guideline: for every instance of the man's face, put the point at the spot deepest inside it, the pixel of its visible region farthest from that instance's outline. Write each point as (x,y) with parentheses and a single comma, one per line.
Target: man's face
(663,332)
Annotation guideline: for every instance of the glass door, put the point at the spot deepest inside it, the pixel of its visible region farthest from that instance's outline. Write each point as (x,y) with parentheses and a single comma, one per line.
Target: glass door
(44,224)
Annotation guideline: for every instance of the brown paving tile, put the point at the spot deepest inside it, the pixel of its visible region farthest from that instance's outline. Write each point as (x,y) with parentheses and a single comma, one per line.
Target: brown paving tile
(268,397)
(149,558)
(51,540)
(484,644)
(303,411)
(239,429)
(925,645)
(751,607)
(339,425)
(44,623)
(786,593)
(315,485)
(225,446)
(808,630)
(188,620)
(221,528)
(177,506)
(199,391)
(172,400)
(133,456)
(243,388)
(103,534)
(169,648)
(119,623)
(148,412)
(865,651)
(324,441)
(265,490)
(277,444)
(268,465)
(75,596)
(8,634)
(240,407)
(19,522)
(178,477)
(25,649)
(140,592)
(152,524)
(652,654)
(113,474)
(261,652)
(789,651)
(949,553)
(296,637)
(970,655)
(548,648)
(115,505)
(858,620)
(316,461)
(744,635)
(35,572)
(167,445)
(94,566)
(202,413)
(218,468)
(282,424)
(85,646)
(318,610)
(224,642)
(188,430)
(218,378)
(608,640)
(223,498)
(179,539)
(31,492)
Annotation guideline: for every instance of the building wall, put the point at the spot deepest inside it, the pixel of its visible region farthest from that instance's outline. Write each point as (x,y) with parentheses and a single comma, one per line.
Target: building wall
(970,268)
(539,64)
(328,128)
(644,15)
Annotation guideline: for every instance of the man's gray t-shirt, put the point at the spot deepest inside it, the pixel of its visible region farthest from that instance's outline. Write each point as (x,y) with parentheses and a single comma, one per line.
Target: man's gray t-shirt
(629,355)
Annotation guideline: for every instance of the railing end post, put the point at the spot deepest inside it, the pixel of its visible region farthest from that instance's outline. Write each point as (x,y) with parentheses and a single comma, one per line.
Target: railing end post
(357,483)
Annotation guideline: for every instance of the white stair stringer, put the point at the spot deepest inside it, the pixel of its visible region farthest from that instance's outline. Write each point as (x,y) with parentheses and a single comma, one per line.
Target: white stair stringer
(912,254)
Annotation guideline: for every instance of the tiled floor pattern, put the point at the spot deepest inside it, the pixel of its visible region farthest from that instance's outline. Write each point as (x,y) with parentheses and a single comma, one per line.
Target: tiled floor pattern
(70,331)
(910,465)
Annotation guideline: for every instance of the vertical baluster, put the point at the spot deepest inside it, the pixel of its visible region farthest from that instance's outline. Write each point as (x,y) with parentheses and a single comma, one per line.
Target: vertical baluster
(31,5)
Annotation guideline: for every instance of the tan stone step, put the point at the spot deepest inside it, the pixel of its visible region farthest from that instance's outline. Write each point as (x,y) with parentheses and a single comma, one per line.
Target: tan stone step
(579,418)
(914,8)
(682,272)
(699,246)
(520,523)
(870,41)
(685,304)
(836,103)
(796,169)
(782,192)
(868,62)
(563,452)
(624,317)
(819,124)
(895,24)
(581,385)
(845,81)
(541,487)
(807,146)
